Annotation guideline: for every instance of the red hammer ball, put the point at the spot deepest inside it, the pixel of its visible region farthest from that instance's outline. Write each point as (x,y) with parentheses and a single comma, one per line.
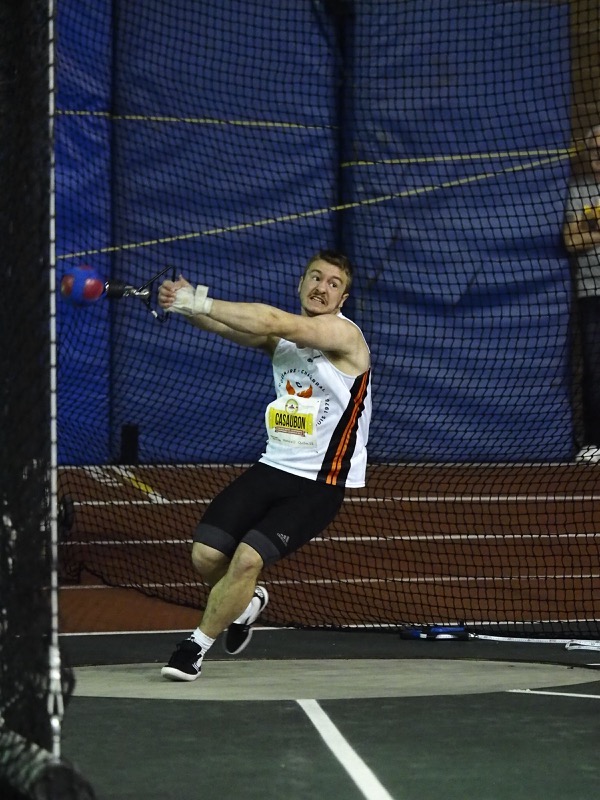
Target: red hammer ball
(82,286)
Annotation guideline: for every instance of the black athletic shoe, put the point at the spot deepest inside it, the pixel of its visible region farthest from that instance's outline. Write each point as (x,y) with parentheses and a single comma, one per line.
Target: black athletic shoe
(239,632)
(185,663)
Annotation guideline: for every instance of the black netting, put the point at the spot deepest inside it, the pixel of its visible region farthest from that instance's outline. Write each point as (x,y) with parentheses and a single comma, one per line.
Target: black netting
(432,142)
(29,763)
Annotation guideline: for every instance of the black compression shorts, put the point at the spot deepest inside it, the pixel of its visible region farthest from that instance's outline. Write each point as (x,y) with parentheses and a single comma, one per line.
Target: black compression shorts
(273,511)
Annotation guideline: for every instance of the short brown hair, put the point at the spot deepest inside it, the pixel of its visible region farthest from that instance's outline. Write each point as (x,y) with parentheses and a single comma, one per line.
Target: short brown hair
(338,260)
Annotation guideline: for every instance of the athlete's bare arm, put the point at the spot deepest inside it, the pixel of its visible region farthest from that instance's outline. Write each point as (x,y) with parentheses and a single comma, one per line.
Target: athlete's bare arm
(166,297)
(339,339)
(261,326)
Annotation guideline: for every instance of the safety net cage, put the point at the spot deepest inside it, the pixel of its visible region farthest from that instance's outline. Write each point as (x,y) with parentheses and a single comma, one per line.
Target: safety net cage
(434,143)
(34,685)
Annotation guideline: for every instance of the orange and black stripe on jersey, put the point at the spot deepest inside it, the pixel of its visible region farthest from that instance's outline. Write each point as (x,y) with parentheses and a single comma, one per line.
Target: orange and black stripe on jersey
(336,462)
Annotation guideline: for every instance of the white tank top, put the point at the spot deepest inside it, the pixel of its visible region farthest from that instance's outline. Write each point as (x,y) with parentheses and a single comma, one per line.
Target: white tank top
(318,425)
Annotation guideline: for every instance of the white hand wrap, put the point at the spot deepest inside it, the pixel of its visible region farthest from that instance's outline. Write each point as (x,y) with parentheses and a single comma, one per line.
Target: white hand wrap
(189,301)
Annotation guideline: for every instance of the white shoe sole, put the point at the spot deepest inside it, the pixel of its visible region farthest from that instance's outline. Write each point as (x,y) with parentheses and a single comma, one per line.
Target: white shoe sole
(246,624)
(172,674)
(262,605)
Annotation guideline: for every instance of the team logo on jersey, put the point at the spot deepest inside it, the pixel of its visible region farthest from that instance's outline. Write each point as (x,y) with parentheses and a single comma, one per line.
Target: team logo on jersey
(304,393)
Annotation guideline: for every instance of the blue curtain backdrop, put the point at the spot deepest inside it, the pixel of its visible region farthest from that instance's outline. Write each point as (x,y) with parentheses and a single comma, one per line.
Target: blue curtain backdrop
(472,362)
(452,262)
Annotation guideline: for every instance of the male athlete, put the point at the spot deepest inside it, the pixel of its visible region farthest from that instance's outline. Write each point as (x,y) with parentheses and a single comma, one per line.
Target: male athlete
(317,430)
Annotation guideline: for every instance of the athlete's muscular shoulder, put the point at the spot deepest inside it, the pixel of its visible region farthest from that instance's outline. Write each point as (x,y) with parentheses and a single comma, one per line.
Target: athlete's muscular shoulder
(339,339)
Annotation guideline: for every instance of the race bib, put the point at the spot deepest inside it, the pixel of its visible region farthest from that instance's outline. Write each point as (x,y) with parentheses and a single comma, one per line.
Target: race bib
(291,421)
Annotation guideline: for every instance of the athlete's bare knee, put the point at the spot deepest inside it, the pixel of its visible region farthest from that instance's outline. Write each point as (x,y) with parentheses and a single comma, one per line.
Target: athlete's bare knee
(246,562)
(210,563)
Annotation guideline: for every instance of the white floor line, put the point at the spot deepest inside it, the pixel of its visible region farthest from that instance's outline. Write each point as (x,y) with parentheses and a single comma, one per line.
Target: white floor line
(555,694)
(363,777)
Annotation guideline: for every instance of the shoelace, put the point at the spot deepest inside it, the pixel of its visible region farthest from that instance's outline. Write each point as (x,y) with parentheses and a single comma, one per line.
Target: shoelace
(189,645)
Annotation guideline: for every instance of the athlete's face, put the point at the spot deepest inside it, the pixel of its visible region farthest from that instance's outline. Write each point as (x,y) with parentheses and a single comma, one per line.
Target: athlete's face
(322,289)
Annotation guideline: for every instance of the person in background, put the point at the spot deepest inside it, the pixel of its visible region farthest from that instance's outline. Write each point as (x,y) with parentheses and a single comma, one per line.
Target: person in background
(317,429)
(581,235)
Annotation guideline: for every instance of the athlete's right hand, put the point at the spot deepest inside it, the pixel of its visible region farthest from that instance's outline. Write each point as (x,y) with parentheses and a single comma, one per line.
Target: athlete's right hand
(181,297)
(168,290)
